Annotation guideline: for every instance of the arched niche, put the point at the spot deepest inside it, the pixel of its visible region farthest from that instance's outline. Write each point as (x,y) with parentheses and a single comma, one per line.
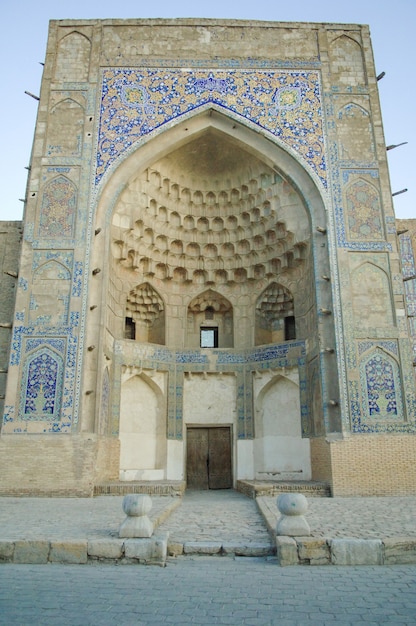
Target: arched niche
(43,383)
(280,452)
(58,208)
(49,300)
(65,129)
(275,317)
(346,60)
(371,283)
(142,429)
(73,58)
(355,134)
(128,202)
(363,211)
(381,387)
(145,315)
(210,321)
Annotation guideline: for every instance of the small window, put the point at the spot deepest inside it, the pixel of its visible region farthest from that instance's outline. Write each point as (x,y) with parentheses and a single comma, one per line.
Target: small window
(290,328)
(209,337)
(129,329)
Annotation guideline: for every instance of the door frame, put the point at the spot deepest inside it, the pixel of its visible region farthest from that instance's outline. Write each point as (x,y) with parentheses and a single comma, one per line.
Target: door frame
(211,425)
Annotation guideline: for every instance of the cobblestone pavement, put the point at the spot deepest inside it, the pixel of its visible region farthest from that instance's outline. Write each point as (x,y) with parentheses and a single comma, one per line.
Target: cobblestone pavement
(206,590)
(224,516)
(363,518)
(204,516)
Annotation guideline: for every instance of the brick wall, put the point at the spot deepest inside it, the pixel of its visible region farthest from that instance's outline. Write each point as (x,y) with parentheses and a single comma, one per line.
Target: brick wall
(321,460)
(55,465)
(367,465)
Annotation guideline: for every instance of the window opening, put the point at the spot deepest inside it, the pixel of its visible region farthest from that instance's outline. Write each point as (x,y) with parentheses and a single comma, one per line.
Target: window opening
(290,328)
(129,329)
(209,337)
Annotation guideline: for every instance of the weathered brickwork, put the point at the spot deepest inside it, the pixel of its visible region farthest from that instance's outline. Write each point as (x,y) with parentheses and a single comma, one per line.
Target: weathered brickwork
(10,241)
(209,243)
(383,465)
(64,466)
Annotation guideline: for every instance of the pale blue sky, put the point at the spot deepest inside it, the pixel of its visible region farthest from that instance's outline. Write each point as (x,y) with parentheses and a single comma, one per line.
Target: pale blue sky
(23,44)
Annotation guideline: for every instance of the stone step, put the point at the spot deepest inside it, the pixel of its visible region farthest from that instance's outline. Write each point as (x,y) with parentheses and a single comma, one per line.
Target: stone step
(155,488)
(257,488)
(218,548)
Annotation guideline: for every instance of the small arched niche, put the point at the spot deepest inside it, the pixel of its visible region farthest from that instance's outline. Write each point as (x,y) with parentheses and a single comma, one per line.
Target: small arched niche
(210,321)
(145,315)
(275,319)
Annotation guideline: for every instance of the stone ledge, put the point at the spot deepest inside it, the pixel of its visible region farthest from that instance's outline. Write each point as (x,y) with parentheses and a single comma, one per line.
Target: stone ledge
(346,551)
(289,551)
(152,551)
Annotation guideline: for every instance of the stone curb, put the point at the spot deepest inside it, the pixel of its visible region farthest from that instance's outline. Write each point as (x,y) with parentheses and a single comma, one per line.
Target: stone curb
(346,551)
(152,551)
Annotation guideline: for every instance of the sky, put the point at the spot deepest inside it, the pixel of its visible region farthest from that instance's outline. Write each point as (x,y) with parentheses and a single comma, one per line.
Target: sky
(23,46)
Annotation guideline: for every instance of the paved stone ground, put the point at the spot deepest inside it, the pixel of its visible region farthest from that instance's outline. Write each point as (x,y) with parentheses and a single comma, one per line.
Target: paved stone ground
(204,516)
(207,591)
(226,520)
(363,518)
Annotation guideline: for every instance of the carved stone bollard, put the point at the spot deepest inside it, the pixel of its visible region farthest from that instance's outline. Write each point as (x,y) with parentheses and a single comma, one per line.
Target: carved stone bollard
(137,523)
(292,523)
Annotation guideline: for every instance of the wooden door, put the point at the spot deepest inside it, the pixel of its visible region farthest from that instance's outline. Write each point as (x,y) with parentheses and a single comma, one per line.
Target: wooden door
(208,463)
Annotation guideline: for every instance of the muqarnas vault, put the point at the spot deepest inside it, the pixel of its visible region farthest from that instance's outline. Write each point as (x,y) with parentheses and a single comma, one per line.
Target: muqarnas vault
(210,287)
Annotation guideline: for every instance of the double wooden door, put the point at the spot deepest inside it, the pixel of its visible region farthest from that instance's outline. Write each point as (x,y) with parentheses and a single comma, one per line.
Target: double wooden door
(208,462)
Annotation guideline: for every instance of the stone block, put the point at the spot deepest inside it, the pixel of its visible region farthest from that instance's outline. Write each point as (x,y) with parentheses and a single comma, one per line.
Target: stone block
(31,552)
(68,552)
(152,550)
(313,551)
(399,550)
(202,547)
(175,549)
(286,551)
(106,548)
(247,549)
(6,550)
(356,552)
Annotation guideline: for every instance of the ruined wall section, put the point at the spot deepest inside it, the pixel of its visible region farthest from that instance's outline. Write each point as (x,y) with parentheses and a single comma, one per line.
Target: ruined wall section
(10,242)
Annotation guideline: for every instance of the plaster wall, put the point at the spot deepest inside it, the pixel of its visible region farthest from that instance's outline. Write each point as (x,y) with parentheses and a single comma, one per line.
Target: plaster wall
(280,452)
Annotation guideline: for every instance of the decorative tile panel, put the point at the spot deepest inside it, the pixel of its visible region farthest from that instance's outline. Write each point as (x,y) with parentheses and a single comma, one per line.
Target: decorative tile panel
(135,102)
(58,208)
(43,377)
(382,407)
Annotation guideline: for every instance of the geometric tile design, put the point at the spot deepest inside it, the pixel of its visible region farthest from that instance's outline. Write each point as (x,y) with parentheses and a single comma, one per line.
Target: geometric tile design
(135,102)
(406,256)
(381,387)
(43,376)
(58,208)
(410,297)
(363,210)
(341,203)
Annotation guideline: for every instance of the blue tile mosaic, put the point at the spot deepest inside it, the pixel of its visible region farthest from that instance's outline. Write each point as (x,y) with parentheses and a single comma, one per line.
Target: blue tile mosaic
(43,381)
(135,102)
(381,394)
